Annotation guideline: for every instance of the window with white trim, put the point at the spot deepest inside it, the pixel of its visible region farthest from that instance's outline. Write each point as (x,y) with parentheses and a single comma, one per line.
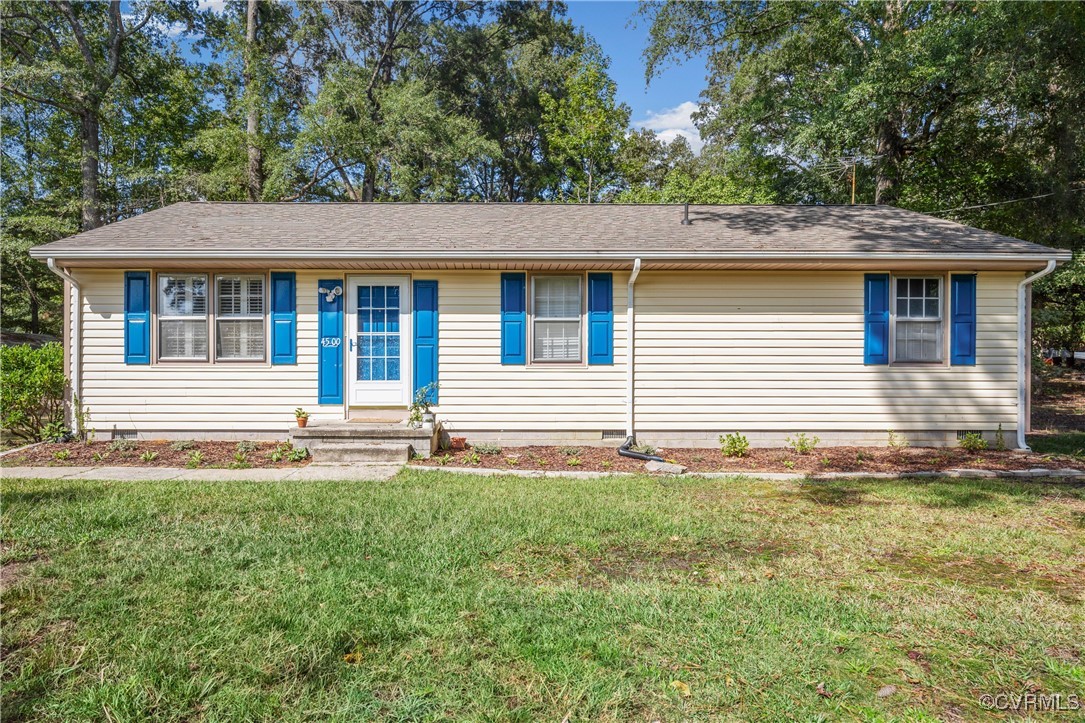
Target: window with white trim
(182,317)
(556,318)
(918,307)
(239,317)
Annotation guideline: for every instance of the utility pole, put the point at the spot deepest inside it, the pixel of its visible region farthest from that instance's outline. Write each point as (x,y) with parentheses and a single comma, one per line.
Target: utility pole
(853,182)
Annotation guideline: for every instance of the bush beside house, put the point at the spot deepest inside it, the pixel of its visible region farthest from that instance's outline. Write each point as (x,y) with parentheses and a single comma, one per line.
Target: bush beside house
(32,386)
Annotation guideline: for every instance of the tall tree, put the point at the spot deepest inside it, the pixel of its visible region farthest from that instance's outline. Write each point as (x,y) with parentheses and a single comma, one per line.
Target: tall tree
(584,128)
(69,56)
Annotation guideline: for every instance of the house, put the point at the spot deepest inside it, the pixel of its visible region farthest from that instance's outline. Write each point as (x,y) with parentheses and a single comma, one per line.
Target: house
(551,323)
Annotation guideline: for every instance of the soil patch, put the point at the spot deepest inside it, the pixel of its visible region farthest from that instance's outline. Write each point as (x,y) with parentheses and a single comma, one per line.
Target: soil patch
(1060,407)
(164,453)
(679,561)
(827,459)
(996,573)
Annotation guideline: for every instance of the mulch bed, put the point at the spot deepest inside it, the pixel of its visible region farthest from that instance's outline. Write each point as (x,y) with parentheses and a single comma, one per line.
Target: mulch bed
(127,454)
(826,459)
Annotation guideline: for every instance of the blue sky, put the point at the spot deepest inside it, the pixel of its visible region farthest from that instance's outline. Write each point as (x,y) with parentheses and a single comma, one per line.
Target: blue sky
(663,105)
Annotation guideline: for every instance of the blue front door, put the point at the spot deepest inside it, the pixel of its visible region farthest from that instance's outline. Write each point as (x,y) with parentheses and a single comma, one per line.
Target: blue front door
(379,361)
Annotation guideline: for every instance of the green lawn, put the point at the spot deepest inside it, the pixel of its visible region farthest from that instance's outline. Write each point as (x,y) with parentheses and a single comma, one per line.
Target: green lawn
(446,596)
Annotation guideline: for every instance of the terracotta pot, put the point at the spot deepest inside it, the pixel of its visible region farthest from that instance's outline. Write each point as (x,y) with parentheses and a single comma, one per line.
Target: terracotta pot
(302,421)
(458,444)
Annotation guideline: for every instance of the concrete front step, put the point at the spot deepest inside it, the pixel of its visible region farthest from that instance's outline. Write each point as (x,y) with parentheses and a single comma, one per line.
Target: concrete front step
(361,452)
(356,442)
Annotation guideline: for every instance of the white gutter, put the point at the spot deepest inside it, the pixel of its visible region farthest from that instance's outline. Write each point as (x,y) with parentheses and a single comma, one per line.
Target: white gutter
(1023,344)
(629,356)
(549,255)
(77,326)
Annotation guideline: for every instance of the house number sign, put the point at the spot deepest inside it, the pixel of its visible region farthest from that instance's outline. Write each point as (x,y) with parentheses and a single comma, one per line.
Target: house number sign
(330,341)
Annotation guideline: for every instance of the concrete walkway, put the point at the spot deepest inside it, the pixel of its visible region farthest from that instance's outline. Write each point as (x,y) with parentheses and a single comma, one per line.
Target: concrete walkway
(312,472)
(380,472)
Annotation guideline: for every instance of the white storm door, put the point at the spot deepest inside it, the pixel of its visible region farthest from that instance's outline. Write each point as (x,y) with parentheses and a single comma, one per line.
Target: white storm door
(379,338)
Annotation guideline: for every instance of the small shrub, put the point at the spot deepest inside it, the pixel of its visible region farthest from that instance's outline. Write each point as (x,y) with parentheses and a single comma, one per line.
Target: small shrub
(472,457)
(98,457)
(33,386)
(246,446)
(897,441)
(486,448)
(443,459)
(972,442)
(802,444)
(513,461)
(54,432)
(241,461)
(606,464)
(62,455)
(570,451)
(195,459)
(826,462)
(1000,439)
(182,445)
(149,456)
(123,445)
(644,448)
(298,454)
(789,464)
(734,444)
(573,461)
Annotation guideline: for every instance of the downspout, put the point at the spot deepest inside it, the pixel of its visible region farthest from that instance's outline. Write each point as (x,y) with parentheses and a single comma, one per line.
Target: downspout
(629,354)
(630,436)
(77,328)
(1023,339)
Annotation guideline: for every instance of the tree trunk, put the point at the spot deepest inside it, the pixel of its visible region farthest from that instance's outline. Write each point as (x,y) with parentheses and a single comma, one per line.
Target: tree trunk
(88,136)
(369,182)
(890,150)
(256,157)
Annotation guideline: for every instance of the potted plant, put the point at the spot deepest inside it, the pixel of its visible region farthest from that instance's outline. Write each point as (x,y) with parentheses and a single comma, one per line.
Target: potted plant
(302,416)
(420,412)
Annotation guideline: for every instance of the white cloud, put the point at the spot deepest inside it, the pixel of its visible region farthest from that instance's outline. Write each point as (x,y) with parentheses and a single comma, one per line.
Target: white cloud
(673,122)
(217,5)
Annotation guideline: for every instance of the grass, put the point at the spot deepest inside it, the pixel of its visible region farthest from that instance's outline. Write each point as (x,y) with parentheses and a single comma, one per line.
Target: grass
(449,596)
(1071,444)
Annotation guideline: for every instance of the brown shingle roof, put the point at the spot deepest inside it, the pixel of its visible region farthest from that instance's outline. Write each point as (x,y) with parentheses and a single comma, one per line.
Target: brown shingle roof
(474,230)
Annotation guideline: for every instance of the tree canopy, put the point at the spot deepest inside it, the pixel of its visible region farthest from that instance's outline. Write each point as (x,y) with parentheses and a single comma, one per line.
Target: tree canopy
(970,111)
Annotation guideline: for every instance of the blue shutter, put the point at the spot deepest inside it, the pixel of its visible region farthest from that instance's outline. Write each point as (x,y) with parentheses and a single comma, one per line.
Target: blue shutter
(284,318)
(137,317)
(600,318)
(513,318)
(330,344)
(876,319)
(962,316)
(425,336)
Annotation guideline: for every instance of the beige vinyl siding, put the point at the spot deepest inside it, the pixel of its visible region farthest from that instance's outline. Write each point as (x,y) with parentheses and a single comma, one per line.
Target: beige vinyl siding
(479,393)
(780,351)
(716,351)
(191,396)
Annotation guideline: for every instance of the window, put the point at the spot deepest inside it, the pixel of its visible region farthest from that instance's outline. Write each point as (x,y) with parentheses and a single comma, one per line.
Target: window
(182,316)
(556,318)
(239,317)
(919,330)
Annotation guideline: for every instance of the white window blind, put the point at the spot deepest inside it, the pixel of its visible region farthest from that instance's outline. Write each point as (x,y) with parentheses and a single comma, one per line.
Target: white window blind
(919,324)
(556,318)
(182,316)
(239,317)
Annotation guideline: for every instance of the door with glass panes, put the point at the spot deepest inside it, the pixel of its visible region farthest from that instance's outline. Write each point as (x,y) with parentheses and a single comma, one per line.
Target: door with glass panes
(378,340)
